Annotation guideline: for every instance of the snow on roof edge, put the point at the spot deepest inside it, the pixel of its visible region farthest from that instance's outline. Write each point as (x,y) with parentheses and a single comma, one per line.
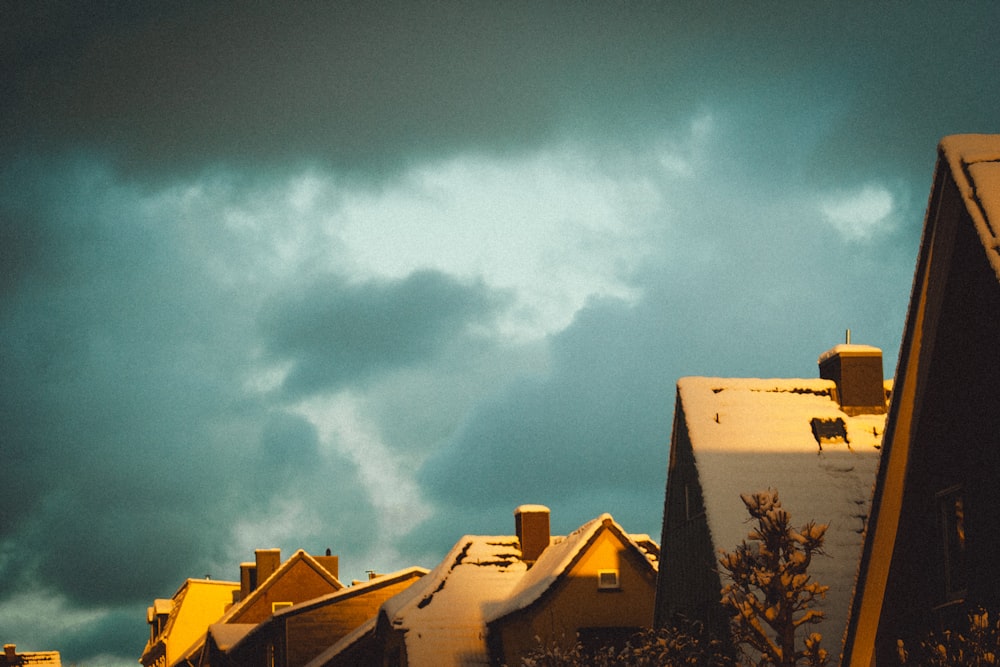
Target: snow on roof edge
(521,509)
(973,160)
(850,349)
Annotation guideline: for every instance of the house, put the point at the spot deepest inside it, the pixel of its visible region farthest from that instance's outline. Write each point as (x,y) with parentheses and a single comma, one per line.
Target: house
(493,598)
(177,625)
(180,629)
(29,659)
(266,587)
(293,636)
(930,551)
(816,441)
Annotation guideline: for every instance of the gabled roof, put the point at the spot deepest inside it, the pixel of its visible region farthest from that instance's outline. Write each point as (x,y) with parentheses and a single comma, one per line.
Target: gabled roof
(234,612)
(357,589)
(750,435)
(481,579)
(346,593)
(299,556)
(442,613)
(969,164)
(974,162)
(560,557)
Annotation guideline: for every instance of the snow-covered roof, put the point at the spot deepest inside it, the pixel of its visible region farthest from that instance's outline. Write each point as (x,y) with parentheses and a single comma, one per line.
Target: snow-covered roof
(975,165)
(443,612)
(481,579)
(556,560)
(227,635)
(750,435)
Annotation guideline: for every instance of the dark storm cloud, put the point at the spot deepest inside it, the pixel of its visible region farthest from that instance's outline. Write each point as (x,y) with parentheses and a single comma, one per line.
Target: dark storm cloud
(194,83)
(132,448)
(140,324)
(336,333)
(185,85)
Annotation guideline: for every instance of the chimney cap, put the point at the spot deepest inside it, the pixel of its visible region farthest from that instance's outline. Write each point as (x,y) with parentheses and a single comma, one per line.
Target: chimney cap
(850,350)
(525,509)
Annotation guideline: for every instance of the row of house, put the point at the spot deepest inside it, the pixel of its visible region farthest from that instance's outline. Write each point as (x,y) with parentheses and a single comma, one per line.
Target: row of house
(490,601)
(901,470)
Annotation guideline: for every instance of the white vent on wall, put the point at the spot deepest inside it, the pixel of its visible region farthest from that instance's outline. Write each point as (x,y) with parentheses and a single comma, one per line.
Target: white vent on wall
(607,579)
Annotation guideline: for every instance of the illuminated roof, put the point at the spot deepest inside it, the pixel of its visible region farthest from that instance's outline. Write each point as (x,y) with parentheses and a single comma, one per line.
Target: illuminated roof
(750,435)
(482,579)
(975,166)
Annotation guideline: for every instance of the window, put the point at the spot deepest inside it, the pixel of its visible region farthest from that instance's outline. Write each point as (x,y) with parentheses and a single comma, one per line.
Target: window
(951,507)
(607,580)
(277,606)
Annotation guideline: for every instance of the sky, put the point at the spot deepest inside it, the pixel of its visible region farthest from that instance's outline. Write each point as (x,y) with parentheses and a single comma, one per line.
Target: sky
(369,277)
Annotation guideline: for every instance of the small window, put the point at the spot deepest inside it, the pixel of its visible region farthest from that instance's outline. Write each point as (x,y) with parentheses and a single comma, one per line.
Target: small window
(277,606)
(607,580)
(951,505)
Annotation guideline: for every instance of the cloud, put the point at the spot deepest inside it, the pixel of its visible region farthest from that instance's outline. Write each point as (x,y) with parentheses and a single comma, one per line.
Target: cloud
(373,91)
(335,333)
(46,616)
(367,277)
(134,445)
(860,215)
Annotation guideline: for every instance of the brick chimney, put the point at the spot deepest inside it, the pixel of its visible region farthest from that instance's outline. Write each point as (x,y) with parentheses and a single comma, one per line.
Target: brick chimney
(268,560)
(330,563)
(532,525)
(857,372)
(248,580)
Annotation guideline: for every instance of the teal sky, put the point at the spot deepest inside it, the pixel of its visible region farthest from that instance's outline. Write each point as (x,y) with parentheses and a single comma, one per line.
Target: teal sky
(369,278)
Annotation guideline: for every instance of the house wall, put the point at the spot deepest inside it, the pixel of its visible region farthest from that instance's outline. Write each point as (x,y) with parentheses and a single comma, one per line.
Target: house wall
(201,603)
(300,583)
(577,603)
(955,442)
(367,652)
(311,632)
(688,582)
(394,649)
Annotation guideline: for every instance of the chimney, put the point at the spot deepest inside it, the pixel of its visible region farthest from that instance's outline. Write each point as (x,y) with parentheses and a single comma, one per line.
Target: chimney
(10,653)
(248,580)
(268,560)
(857,372)
(532,525)
(330,563)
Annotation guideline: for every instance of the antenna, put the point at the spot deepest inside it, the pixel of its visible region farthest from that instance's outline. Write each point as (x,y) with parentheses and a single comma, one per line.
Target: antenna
(848,337)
